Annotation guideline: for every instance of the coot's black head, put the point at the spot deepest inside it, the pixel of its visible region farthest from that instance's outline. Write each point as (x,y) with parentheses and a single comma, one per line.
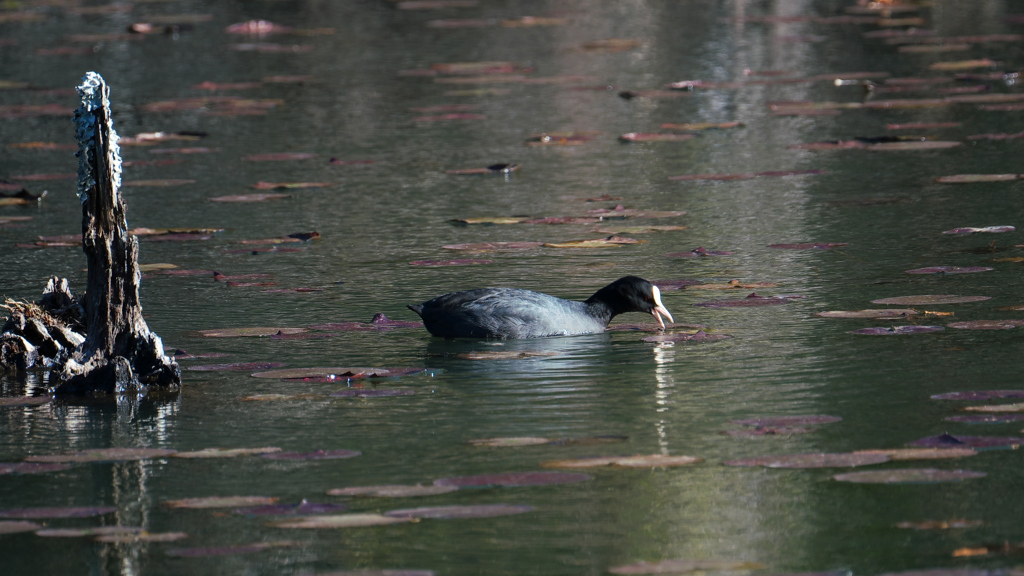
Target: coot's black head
(633,294)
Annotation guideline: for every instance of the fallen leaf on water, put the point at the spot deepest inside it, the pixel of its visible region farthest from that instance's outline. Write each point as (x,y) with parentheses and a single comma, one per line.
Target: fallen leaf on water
(341,521)
(220,502)
(610,241)
(314,455)
(963,64)
(57,512)
(752,300)
(491,220)
(561,138)
(157,183)
(392,491)
(869,313)
(493,246)
(131,538)
(949,440)
(987,324)
(637,461)
(532,21)
(996,408)
(15,526)
(83,532)
(921,453)
(225,452)
(896,330)
(105,455)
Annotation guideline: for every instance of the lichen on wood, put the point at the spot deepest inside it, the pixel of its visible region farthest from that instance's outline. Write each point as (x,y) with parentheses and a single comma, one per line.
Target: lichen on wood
(99,343)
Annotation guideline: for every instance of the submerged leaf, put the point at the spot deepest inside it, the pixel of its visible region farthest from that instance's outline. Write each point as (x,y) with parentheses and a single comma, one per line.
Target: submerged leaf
(680,566)
(896,330)
(57,512)
(921,453)
(986,229)
(870,313)
(15,526)
(105,455)
(655,137)
(314,455)
(203,552)
(987,324)
(979,395)
(493,246)
(249,332)
(249,197)
(950,270)
(808,420)
(225,452)
(948,440)
(976,178)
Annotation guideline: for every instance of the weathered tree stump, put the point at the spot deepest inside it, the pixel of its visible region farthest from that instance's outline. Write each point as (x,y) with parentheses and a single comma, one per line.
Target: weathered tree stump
(100,343)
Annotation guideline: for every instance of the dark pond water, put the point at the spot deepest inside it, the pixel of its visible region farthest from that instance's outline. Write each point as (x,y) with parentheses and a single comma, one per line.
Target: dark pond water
(367,95)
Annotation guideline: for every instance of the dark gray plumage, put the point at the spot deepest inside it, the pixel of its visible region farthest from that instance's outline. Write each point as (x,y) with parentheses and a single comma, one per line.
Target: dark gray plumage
(514,313)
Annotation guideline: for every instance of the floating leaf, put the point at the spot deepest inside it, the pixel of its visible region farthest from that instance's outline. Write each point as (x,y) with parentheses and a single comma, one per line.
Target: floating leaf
(986,229)
(314,455)
(392,491)
(942,525)
(561,138)
(808,420)
(1018,407)
(950,270)
(869,313)
(142,537)
(55,512)
(248,332)
(457,262)
(896,330)
(751,300)
(814,460)
(271,397)
(948,440)
(930,299)
(220,502)
(681,566)
(987,324)
(908,476)
(227,550)
(226,452)
(809,246)
(699,336)
(341,521)
(512,479)
(26,401)
(610,241)
(963,65)
(921,453)
(976,178)
(491,220)
(638,461)
(986,418)
(14,526)
(303,508)
(979,395)
(105,455)
(31,467)
(456,511)
(493,246)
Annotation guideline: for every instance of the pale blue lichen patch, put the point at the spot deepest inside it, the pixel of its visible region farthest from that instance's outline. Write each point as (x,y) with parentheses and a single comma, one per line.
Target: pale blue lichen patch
(93,96)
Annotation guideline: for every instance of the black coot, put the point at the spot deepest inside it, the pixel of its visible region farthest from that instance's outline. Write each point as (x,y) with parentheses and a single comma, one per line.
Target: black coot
(515,313)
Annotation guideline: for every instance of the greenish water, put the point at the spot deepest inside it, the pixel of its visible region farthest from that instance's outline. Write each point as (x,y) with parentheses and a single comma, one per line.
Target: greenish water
(379,217)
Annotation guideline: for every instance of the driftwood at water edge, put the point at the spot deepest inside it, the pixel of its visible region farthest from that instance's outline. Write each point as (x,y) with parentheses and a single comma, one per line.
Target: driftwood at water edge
(99,343)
